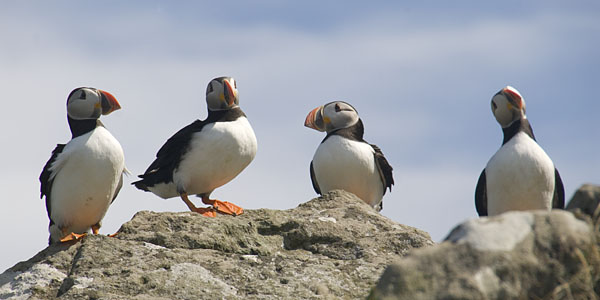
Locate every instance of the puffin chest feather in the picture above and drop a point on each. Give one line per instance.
(85, 177)
(216, 155)
(341, 163)
(520, 176)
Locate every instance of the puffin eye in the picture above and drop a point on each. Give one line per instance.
(82, 96)
(494, 106)
(209, 89)
(337, 107)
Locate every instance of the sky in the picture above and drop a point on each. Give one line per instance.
(420, 73)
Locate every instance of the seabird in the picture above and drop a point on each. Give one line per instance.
(344, 160)
(520, 176)
(205, 154)
(84, 176)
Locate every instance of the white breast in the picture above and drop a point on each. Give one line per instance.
(520, 176)
(217, 154)
(340, 163)
(85, 175)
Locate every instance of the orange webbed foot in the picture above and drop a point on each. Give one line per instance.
(206, 211)
(72, 237)
(224, 207)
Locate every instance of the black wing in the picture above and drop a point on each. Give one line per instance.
(559, 192)
(313, 179)
(45, 182)
(385, 170)
(118, 189)
(481, 195)
(168, 157)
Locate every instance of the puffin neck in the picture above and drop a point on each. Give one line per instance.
(520, 125)
(81, 127)
(354, 132)
(227, 115)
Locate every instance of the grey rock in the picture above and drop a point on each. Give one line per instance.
(516, 255)
(586, 199)
(328, 248)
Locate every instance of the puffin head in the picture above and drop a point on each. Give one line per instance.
(89, 103)
(508, 106)
(332, 116)
(222, 94)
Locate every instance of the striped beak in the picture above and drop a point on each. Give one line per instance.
(314, 119)
(513, 97)
(229, 93)
(109, 102)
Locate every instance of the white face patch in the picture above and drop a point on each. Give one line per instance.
(84, 103)
(501, 110)
(340, 115)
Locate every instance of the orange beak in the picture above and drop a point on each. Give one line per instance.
(513, 97)
(109, 102)
(314, 118)
(229, 95)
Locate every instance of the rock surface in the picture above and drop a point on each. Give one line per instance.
(586, 199)
(328, 248)
(516, 255)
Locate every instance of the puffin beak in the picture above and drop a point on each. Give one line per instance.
(229, 94)
(513, 98)
(109, 102)
(314, 119)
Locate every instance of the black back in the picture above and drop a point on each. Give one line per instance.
(170, 154)
(355, 133)
(313, 179)
(558, 201)
(385, 170)
(481, 195)
(45, 182)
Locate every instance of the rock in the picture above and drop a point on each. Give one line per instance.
(516, 255)
(586, 199)
(330, 247)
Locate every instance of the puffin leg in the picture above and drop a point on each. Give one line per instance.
(95, 228)
(223, 207)
(205, 211)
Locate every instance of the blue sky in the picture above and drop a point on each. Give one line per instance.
(420, 74)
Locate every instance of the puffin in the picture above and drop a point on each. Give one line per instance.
(206, 154)
(344, 160)
(520, 176)
(83, 177)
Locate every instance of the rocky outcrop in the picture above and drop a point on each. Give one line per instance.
(517, 255)
(586, 200)
(330, 247)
